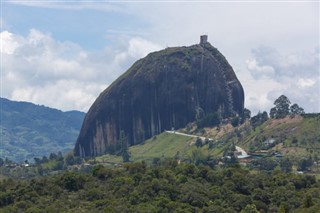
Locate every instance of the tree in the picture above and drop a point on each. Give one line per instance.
(264, 164)
(69, 160)
(37, 161)
(281, 109)
(235, 121)
(72, 181)
(60, 156)
(264, 116)
(197, 156)
(40, 170)
(250, 208)
(307, 202)
(125, 156)
(273, 112)
(198, 142)
(53, 156)
(245, 115)
(229, 155)
(212, 119)
(44, 159)
(58, 165)
(286, 164)
(8, 161)
(258, 119)
(295, 109)
(123, 142)
(282, 209)
(305, 163)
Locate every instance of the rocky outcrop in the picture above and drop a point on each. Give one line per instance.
(166, 89)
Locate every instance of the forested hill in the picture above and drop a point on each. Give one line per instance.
(29, 130)
(165, 187)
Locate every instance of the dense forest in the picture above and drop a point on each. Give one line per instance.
(163, 187)
(179, 173)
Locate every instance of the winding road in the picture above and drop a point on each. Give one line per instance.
(194, 136)
(244, 154)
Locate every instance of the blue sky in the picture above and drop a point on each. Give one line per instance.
(87, 27)
(64, 53)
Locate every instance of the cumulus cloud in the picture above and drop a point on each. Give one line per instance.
(66, 94)
(257, 90)
(39, 62)
(305, 82)
(8, 42)
(287, 64)
(295, 74)
(61, 74)
(259, 69)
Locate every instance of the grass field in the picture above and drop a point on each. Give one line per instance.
(165, 145)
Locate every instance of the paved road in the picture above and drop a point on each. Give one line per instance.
(194, 136)
(244, 154)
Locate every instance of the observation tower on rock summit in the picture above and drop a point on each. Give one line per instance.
(203, 39)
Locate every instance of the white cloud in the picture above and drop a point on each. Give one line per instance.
(257, 90)
(8, 42)
(65, 94)
(259, 70)
(140, 48)
(137, 48)
(39, 69)
(37, 66)
(305, 82)
(295, 75)
(282, 34)
(286, 64)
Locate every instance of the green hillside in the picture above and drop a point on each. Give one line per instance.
(153, 182)
(296, 138)
(164, 145)
(29, 130)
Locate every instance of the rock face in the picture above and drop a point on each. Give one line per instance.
(165, 90)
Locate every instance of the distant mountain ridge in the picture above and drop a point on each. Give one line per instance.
(29, 130)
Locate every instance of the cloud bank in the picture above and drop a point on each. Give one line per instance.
(62, 75)
(272, 46)
(294, 74)
(42, 70)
